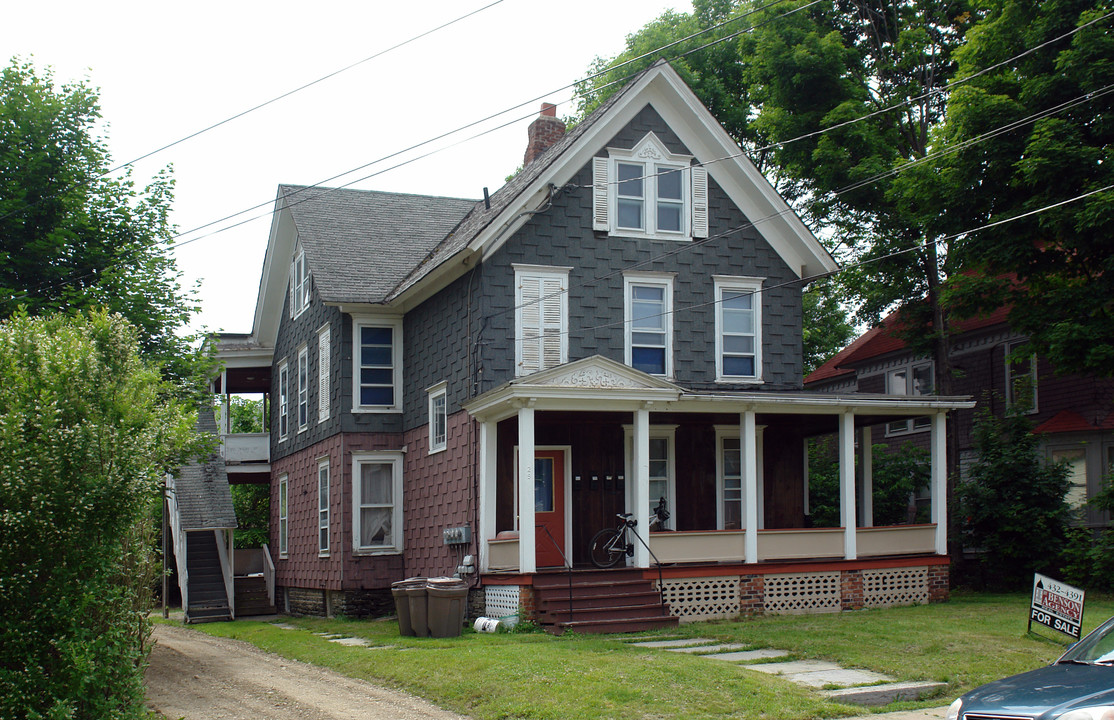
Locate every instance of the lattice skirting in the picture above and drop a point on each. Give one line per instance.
(501, 600)
(704, 598)
(803, 593)
(895, 586)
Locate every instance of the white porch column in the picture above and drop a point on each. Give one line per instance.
(939, 482)
(748, 448)
(640, 486)
(868, 479)
(488, 453)
(527, 535)
(847, 484)
(225, 405)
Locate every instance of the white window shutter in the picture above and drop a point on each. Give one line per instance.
(292, 281)
(530, 332)
(699, 202)
(324, 367)
(600, 194)
(553, 326)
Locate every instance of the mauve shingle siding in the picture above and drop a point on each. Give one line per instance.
(360, 244)
(563, 236)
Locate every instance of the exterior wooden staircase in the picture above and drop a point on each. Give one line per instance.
(251, 597)
(208, 596)
(602, 601)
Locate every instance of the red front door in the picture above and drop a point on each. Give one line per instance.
(549, 507)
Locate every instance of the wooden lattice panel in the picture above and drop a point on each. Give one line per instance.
(803, 593)
(500, 600)
(895, 586)
(703, 598)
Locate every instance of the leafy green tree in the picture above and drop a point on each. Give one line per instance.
(72, 237)
(86, 432)
(251, 502)
(1059, 95)
(896, 475)
(825, 329)
(1011, 504)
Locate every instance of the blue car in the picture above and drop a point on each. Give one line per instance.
(1078, 686)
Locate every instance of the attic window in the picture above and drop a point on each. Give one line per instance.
(648, 191)
(299, 284)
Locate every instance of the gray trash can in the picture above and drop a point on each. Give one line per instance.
(416, 595)
(402, 603)
(448, 603)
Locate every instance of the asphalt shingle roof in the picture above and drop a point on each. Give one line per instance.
(204, 500)
(360, 244)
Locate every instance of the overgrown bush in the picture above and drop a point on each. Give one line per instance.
(897, 474)
(1089, 556)
(1012, 512)
(86, 430)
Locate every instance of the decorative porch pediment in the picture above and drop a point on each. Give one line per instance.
(594, 372)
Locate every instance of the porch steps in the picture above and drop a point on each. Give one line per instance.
(208, 599)
(251, 597)
(603, 601)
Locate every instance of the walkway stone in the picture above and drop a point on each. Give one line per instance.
(351, 641)
(886, 694)
(841, 677)
(795, 667)
(708, 648)
(746, 655)
(687, 642)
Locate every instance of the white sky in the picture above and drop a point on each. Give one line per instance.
(169, 69)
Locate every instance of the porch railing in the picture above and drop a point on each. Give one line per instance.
(179, 538)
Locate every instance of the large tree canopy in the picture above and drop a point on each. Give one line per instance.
(71, 236)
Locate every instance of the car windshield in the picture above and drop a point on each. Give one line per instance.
(1097, 647)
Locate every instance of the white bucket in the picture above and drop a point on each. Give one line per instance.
(486, 624)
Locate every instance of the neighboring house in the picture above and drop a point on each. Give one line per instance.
(455, 381)
(1073, 415)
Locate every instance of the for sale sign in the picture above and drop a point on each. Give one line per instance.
(1056, 605)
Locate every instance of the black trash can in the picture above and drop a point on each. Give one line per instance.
(448, 603)
(402, 603)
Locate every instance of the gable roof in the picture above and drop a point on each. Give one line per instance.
(360, 244)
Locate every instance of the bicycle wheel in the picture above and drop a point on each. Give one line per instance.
(607, 547)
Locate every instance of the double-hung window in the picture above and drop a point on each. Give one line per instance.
(649, 322)
(438, 418)
(377, 359)
(738, 329)
(1021, 378)
(377, 502)
(541, 310)
(914, 379)
(303, 388)
(649, 191)
(730, 464)
(323, 506)
(284, 400)
(663, 482)
(299, 284)
(283, 513)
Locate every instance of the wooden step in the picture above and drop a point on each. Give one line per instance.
(616, 626)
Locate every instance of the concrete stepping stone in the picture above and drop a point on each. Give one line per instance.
(885, 694)
(351, 641)
(284, 626)
(747, 655)
(794, 667)
(687, 642)
(701, 649)
(843, 677)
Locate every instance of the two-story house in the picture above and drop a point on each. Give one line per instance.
(1072, 415)
(495, 380)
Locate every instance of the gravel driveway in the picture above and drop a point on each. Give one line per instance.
(199, 677)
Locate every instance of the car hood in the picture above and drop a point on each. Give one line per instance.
(1056, 687)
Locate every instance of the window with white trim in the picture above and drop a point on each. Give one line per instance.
(914, 379)
(663, 470)
(738, 329)
(730, 495)
(438, 417)
(303, 388)
(324, 374)
(648, 191)
(323, 507)
(1021, 378)
(377, 502)
(648, 325)
(283, 526)
(299, 284)
(1075, 461)
(377, 359)
(284, 400)
(541, 310)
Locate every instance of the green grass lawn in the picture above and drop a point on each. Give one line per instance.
(965, 642)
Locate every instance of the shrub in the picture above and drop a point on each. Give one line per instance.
(86, 429)
(897, 474)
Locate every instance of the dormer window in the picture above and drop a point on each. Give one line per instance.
(650, 192)
(299, 284)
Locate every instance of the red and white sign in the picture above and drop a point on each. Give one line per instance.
(1057, 605)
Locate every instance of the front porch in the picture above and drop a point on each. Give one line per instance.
(563, 451)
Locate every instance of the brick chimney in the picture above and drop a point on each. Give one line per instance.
(546, 130)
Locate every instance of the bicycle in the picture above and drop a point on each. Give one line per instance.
(610, 545)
